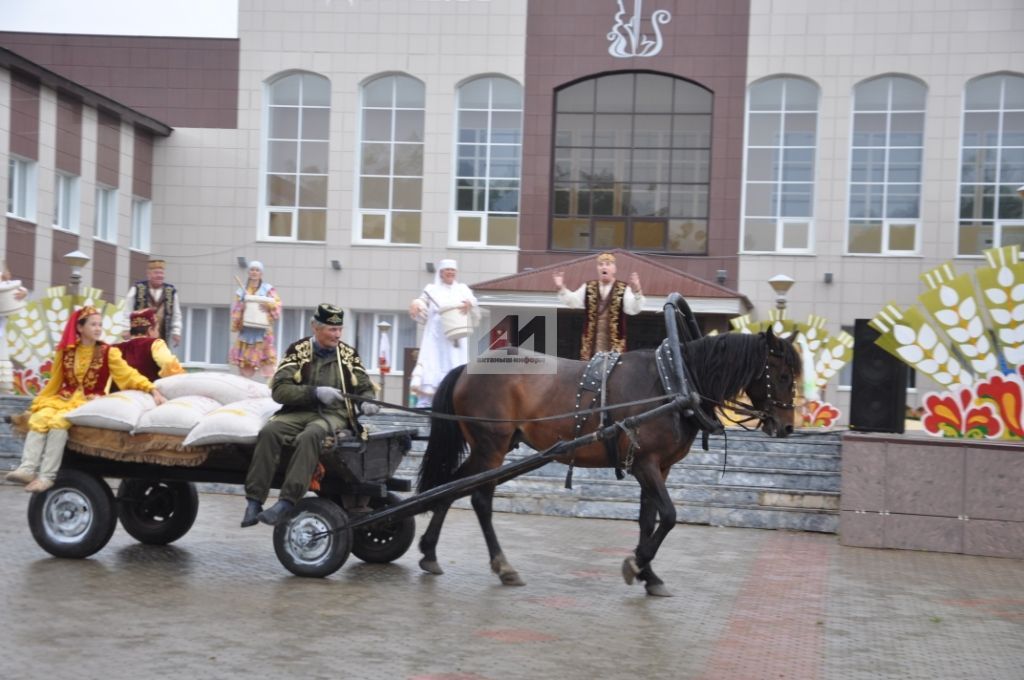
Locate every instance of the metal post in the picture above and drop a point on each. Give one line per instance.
(383, 354)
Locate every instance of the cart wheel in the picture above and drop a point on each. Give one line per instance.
(157, 513)
(387, 541)
(311, 541)
(75, 518)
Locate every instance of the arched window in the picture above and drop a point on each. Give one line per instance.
(778, 202)
(886, 167)
(631, 164)
(992, 168)
(391, 161)
(297, 141)
(488, 162)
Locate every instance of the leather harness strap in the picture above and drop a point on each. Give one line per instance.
(595, 380)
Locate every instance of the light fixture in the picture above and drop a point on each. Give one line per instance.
(828, 277)
(430, 267)
(335, 265)
(76, 259)
(721, 275)
(781, 284)
(242, 262)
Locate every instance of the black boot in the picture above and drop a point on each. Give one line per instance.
(276, 513)
(252, 511)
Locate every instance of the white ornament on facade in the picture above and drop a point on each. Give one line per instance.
(626, 37)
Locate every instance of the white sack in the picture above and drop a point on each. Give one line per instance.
(177, 416)
(235, 423)
(117, 411)
(226, 388)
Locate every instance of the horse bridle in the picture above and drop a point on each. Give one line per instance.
(748, 410)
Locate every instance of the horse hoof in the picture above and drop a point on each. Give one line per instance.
(630, 569)
(657, 590)
(504, 570)
(431, 567)
(511, 578)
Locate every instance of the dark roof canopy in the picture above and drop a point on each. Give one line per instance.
(656, 279)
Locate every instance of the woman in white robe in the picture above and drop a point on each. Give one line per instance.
(438, 354)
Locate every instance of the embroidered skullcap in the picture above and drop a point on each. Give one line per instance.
(447, 264)
(329, 315)
(606, 257)
(257, 264)
(156, 263)
(143, 318)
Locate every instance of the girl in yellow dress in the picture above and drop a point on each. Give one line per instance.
(82, 370)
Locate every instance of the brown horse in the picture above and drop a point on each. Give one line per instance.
(762, 365)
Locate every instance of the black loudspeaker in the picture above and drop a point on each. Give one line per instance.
(878, 394)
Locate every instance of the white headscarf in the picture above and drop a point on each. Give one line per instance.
(447, 263)
(257, 264)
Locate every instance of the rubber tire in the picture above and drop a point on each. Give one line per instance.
(157, 513)
(328, 553)
(89, 525)
(385, 543)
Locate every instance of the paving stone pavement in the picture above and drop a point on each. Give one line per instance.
(749, 604)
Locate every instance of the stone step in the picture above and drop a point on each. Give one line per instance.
(770, 477)
(827, 461)
(750, 517)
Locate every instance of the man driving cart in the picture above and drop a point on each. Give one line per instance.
(309, 383)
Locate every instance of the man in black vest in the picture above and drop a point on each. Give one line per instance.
(154, 293)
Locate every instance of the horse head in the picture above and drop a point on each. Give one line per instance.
(773, 389)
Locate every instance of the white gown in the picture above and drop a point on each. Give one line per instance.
(439, 355)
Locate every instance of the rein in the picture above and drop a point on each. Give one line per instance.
(479, 419)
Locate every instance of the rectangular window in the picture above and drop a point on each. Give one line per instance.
(487, 171)
(390, 157)
(293, 325)
(778, 204)
(296, 150)
(106, 214)
(21, 189)
(141, 223)
(401, 334)
(65, 202)
(992, 165)
(886, 167)
(206, 335)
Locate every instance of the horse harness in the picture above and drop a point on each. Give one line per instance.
(595, 381)
(674, 382)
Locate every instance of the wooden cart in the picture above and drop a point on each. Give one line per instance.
(157, 502)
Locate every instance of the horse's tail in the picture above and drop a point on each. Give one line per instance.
(446, 444)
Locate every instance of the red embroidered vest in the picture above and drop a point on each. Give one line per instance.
(97, 375)
(138, 352)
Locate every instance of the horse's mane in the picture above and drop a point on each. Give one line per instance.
(722, 365)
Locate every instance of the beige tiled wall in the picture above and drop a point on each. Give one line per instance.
(837, 45)
(207, 180)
